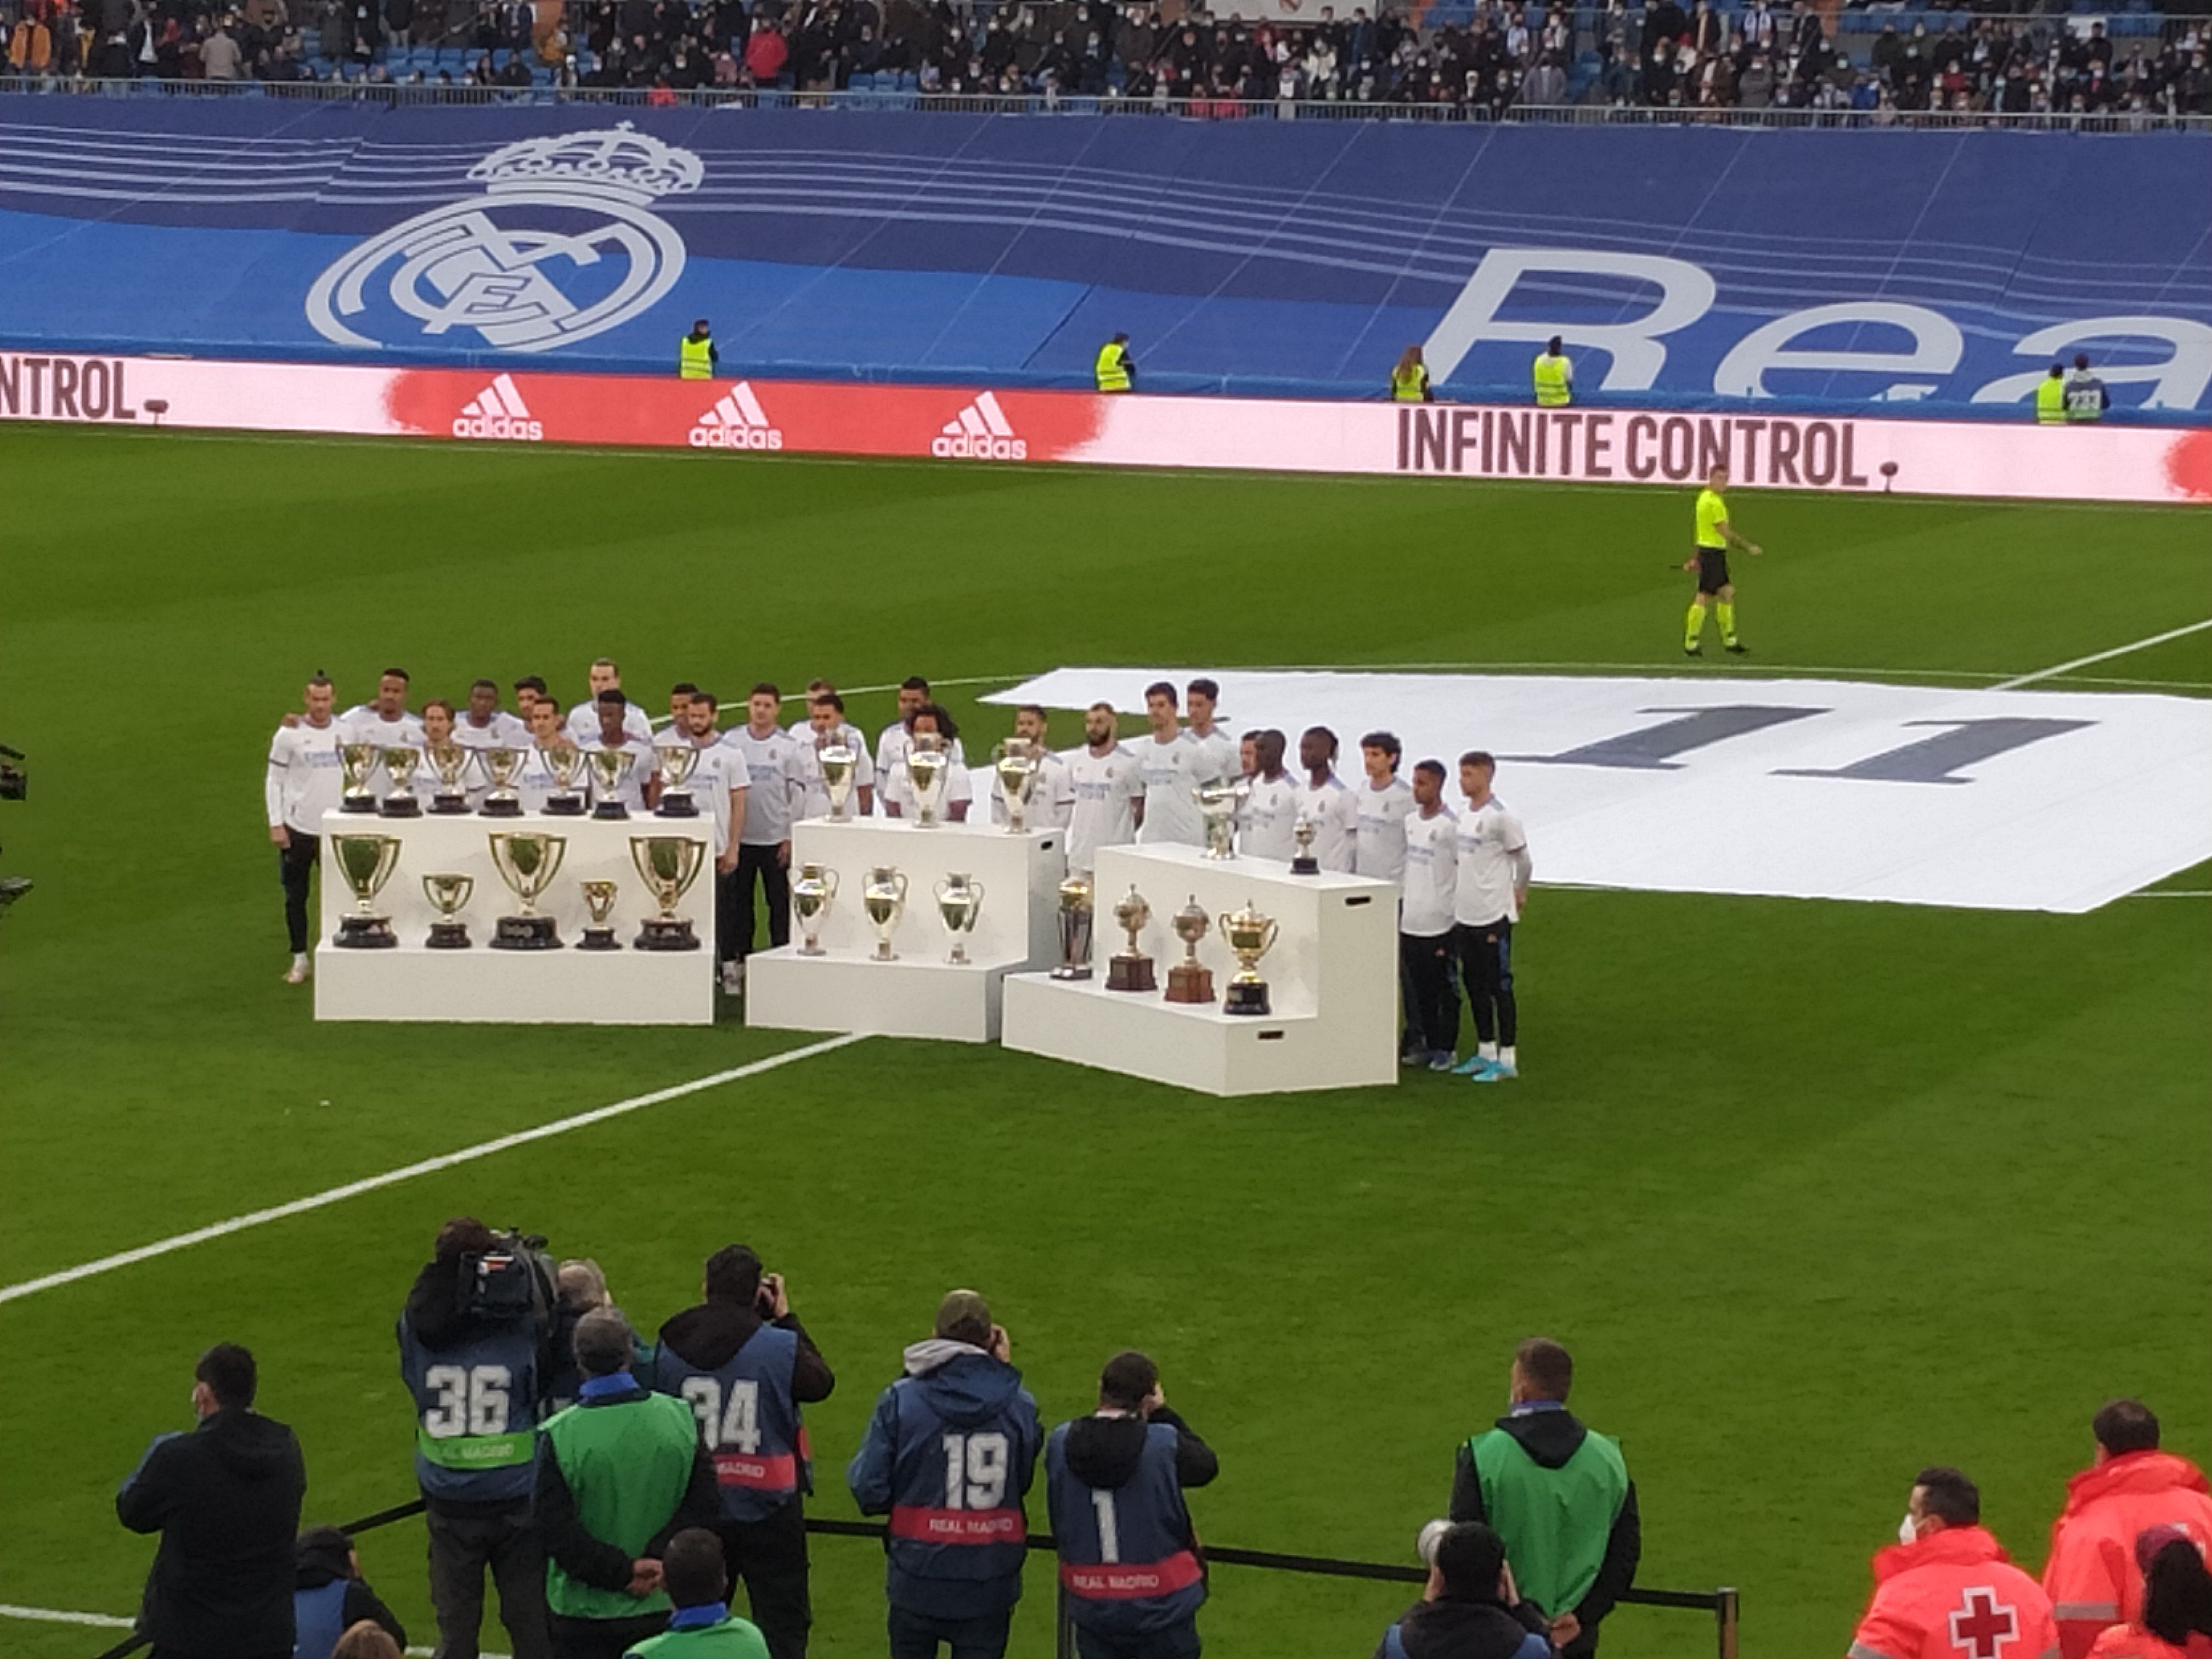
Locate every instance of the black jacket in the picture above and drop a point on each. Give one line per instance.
(1551, 1439)
(320, 1561)
(1102, 1451)
(708, 1337)
(589, 1559)
(1463, 1630)
(226, 1500)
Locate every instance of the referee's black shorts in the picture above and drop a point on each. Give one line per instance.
(1712, 570)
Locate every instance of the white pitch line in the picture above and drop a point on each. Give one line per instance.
(238, 1223)
(2103, 656)
(2173, 892)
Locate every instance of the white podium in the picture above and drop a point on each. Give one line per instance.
(410, 980)
(922, 994)
(1332, 980)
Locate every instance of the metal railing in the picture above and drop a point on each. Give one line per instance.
(402, 95)
(1723, 1606)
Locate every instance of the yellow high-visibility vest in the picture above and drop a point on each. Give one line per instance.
(2051, 402)
(1550, 374)
(695, 359)
(1410, 385)
(1112, 371)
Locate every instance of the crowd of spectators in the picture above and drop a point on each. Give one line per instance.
(1667, 55)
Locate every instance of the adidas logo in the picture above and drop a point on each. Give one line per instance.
(736, 422)
(981, 433)
(498, 411)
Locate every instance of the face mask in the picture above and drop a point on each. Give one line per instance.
(1908, 1532)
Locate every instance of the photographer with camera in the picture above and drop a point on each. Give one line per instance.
(745, 1365)
(472, 1348)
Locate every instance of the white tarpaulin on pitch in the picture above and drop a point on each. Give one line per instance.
(2017, 800)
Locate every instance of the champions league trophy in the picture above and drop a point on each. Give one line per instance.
(1017, 761)
(1076, 916)
(926, 768)
(1217, 802)
(882, 896)
(1132, 969)
(449, 764)
(399, 766)
(1249, 936)
(600, 900)
(668, 865)
(500, 766)
(366, 862)
(840, 765)
(1190, 980)
(564, 800)
(609, 767)
(1305, 864)
(959, 903)
(447, 894)
(677, 762)
(356, 761)
(812, 891)
(527, 860)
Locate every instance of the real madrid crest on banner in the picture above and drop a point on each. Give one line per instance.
(559, 247)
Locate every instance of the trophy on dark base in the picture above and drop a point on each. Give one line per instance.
(600, 900)
(1076, 917)
(399, 767)
(668, 865)
(1249, 936)
(677, 762)
(356, 761)
(1305, 864)
(1132, 969)
(1190, 980)
(608, 767)
(365, 863)
(449, 764)
(564, 800)
(500, 766)
(527, 860)
(447, 894)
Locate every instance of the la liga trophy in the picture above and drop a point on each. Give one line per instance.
(1017, 763)
(1190, 980)
(527, 860)
(1131, 969)
(400, 803)
(668, 865)
(677, 762)
(812, 891)
(448, 895)
(883, 898)
(500, 767)
(564, 799)
(599, 902)
(449, 764)
(356, 761)
(609, 767)
(365, 863)
(1076, 917)
(926, 772)
(840, 766)
(1249, 936)
(959, 903)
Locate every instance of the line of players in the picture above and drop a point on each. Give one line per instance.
(1463, 876)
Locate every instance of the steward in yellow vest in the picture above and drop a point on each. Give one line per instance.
(1553, 373)
(1117, 370)
(1409, 381)
(2050, 396)
(695, 355)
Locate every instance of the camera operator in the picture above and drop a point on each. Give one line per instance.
(472, 1351)
(745, 1365)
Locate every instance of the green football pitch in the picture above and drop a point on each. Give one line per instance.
(1817, 1193)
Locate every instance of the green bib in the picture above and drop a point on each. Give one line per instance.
(1555, 1523)
(732, 1638)
(628, 1465)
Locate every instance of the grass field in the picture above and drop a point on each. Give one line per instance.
(1817, 1193)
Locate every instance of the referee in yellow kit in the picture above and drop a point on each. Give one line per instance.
(1709, 560)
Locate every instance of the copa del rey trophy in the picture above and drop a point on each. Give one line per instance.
(448, 894)
(599, 903)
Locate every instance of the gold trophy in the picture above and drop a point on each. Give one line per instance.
(925, 771)
(600, 900)
(1305, 864)
(1217, 802)
(840, 766)
(399, 766)
(356, 761)
(677, 762)
(566, 765)
(1017, 761)
(811, 891)
(366, 862)
(608, 767)
(527, 860)
(882, 896)
(1189, 979)
(1249, 936)
(1076, 917)
(500, 765)
(449, 764)
(668, 866)
(447, 894)
(1132, 969)
(959, 903)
